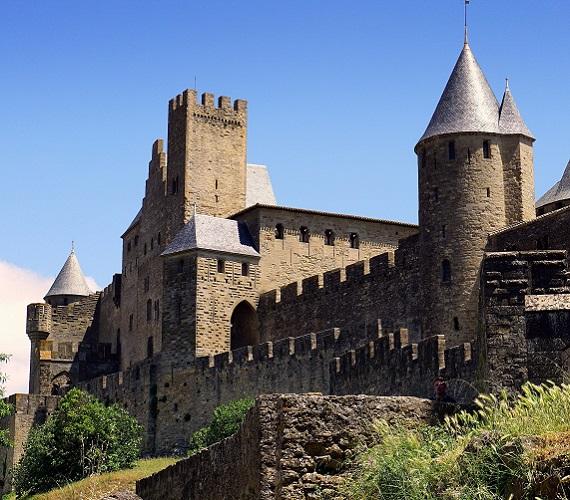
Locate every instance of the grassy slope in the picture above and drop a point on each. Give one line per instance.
(99, 486)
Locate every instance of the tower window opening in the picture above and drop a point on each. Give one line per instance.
(145, 248)
(147, 284)
(423, 158)
(469, 155)
(304, 234)
(436, 194)
(221, 266)
(456, 323)
(451, 150)
(434, 162)
(149, 347)
(216, 183)
(329, 237)
(354, 240)
(152, 243)
(148, 310)
(488, 192)
(158, 239)
(486, 150)
(245, 269)
(445, 271)
(131, 320)
(129, 246)
(217, 198)
(443, 231)
(156, 310)
(279, 232)
(136, 240)
(180, 265)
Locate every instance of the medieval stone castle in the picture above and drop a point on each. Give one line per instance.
(225, 294)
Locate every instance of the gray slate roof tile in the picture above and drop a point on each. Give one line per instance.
(70, 280)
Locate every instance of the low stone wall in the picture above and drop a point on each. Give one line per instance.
(290, 446)
(29, 410)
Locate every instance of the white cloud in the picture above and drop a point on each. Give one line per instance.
(18, 288)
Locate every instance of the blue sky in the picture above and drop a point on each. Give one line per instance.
(339, 92)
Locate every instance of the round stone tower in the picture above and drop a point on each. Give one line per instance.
(475, 177)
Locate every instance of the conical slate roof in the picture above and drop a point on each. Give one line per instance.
(467, 104)
(559, 192)
(510, 120)
(205, 232)
(70, 280)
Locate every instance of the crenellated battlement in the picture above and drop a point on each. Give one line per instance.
(207, 105)
(39, 321)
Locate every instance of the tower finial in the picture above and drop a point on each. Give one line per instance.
(466, 39)
(72, 246)
(507, 83)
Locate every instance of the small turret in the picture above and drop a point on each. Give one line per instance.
(558, 196)
(70, 284)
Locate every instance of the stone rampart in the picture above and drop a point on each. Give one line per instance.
(384, 287)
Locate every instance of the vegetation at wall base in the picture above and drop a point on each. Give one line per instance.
(225, 422)
(5, 408)
(517, 448)
(82, 437)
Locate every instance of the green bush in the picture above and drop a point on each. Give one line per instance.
(82, 437)
(225, 422)
(477, 455)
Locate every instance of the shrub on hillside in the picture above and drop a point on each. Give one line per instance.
(490, 454)
(5, 408)
(225, 422)
(82, 437)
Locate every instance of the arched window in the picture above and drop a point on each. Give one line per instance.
(244, 326)
(354, 240)
(445, 271)
(148, 310)
(304, 234)
(279, 232)
(329, 237)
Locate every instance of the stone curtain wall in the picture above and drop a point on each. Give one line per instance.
(386, 286)
(547, 232)
(172, 403)
(289, 446)
(29, 410)
(524, 331)
(289, 259)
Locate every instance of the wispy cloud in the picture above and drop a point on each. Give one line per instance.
(18, 288)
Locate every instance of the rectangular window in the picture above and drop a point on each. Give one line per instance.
(221, 266)
(443, 231)
(245, 269)
(486, 150)
(488, 192)
(436, 194)
(451, 150)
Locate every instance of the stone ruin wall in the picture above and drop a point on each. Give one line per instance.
(289, 446)
(385, 286)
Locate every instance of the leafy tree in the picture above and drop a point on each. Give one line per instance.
(225, 422)
(82, 437)
(5, 408)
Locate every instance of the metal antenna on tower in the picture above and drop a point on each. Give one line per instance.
(195, 82)
(465, 39)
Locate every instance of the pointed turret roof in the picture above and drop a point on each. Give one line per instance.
(467, 104)
(559, 192)
(70, 280)
(510, 119)
(206, 232)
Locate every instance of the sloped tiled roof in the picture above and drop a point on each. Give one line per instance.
(259, 188)
(559, 192)
(510, 119)
(467, 104)
(70, 280)
(205, 232)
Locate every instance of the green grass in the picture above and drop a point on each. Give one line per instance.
(95, 487)
(508, 448)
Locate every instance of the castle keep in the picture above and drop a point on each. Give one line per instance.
(223, 293)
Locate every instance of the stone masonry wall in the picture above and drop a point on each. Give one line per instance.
(386, 286)
(289, 259)
(29, 410)
(290, 446)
